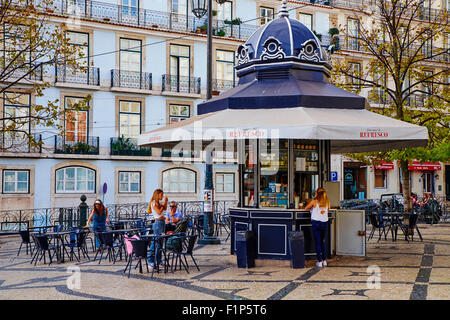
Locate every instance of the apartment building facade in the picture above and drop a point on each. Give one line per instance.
(147, 68)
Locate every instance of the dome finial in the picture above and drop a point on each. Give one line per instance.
(283, 10)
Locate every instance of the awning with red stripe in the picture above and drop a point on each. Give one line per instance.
(385, 166)
(416, 165)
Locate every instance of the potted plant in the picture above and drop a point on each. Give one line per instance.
(49, 10)
(221, 33)
(203, 28)
(106, 19)
(154, 26)
(318, 35)
(236, 21)
(226, 21)
(333, 31)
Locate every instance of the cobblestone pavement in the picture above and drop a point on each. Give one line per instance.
(416, 270)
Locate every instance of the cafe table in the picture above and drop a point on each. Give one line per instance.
(59, 236)
(395, 219)
(159, 243)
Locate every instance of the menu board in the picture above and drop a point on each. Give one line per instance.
(306, 157)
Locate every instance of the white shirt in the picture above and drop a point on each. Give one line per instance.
(317, 215)
(155, 213)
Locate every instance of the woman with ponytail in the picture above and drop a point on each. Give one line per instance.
(319, 207)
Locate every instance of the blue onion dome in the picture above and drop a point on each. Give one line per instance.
(282, 39)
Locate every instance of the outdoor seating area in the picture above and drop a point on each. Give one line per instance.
(128, 241)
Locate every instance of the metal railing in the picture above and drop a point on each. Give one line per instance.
(424, 13)
(14, 220)
(28, 73)
(89, 76)
(76, 144)
(174, 83)
(131, 79)
(222, 85)
(19, 142)
(128, 147)
(125, 15)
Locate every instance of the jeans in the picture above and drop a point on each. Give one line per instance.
(319, 229)
(99, 227)
(158, 228)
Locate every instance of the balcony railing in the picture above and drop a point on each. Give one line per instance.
(125, 15)
(222, 85)
(378, 96)
(23, 73)
(416, 100)
(128, 147)
(425, 14)
(173, 83)
(131, 79)
(89, 76)
(19, 142)
(76, 145)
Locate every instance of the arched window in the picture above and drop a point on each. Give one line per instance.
(75, 180)
(179, 180)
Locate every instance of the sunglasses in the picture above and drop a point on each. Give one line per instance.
(173, 206)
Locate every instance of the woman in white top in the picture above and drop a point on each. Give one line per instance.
(157, 209)
(319, 207)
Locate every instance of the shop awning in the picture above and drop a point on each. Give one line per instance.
(425, 166)
(385, 166)
(349, 130)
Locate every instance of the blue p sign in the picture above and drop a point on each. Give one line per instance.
(334, 176)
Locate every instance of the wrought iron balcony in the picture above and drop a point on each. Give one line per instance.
(125, 15)
(416, 100)
(378, 96)
(222, 85)
(88, 76)
(76, 144)
(128, 147)
(29, 73)
(131, 79)
(19, 142)
(168, 153)
(174, 83)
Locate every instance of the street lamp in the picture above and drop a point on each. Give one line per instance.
(199, 8)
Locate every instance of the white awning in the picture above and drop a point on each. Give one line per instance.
(349, 130)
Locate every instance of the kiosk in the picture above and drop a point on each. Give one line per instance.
(284, 119)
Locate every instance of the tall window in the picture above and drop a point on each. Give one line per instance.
(81, 40)
(129, 182)
(180, 60)
(76, 6)
(428, 84)
(380, 79)
(75, 179)
(16, 108)
(225, 11)
(380, 178)
(225, 65)
(355, 70)
(353, 34)
(129, 118)
(76, 122)
(178, 112)
(266, 15)
(130, 55)
(225, 182)
(16, 181)
(307, 20)
(180, 7)
(130, 7)
(179, 180)
(14, 49)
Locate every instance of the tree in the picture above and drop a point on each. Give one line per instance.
(406, 73)
(30, 47)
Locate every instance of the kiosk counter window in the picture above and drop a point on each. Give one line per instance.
(274, 176)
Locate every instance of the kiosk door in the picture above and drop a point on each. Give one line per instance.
(349, 239)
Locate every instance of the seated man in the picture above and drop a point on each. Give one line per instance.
(173, 216)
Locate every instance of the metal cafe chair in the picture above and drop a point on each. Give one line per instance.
(25, 236)
(410, 226)
(188, 243)
(43, 246)
(80, 244)
(106, 243)
(376, 220)
(139, 252)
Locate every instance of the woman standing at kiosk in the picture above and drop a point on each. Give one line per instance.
(319, 207)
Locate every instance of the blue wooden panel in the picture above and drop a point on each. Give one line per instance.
(238, 213)
(271, 214)
(272, 239)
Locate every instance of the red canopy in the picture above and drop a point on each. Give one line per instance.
(385, 166)
(416, 165)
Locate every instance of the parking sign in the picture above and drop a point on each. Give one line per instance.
(334, 176)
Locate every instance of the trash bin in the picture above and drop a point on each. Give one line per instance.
(245, 249)
(297, 249)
